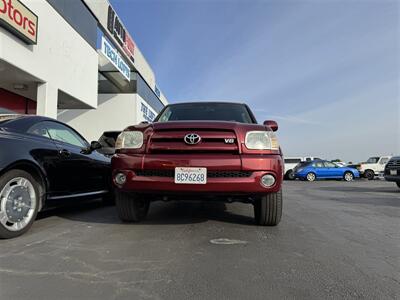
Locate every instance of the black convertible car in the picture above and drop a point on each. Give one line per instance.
(41, 160)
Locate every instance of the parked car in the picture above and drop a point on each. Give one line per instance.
(43, 160)
(353, 165)
(203, 150)
(339, 163)
(292, 162)
(322, 169)
(374, 166)
(107, 141)
(392, 170)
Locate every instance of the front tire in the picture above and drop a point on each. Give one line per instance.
(289, 175)
(19, 203)
(130, 207)
(369, 174)
(348, 176)
(268, 209)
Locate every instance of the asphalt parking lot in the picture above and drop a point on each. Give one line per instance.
(336, 240)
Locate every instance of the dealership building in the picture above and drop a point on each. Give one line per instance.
(74, 60)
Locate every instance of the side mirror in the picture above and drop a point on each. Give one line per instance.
(95, 145)
(271, 124)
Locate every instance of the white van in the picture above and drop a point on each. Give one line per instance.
(292, 161)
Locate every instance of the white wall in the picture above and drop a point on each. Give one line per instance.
(61, 58)
(114, 112)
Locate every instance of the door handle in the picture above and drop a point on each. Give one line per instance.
(65, 153)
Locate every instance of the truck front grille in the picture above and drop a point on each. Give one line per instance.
(394, 163)
(212, 141)
(210, 174)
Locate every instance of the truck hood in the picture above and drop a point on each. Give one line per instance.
(193, 125)
(169, 136)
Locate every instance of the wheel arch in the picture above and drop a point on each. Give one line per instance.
(37, 173)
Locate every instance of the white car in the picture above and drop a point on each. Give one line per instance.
(292, 162)
(374, 166)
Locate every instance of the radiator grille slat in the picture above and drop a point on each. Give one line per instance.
(212, 141)
(210, 174)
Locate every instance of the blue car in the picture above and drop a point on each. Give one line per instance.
(325, 169)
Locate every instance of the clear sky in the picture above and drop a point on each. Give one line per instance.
(327, 71)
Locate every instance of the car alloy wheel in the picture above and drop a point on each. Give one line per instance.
(311, 177)
(348, 176)
(18, 202)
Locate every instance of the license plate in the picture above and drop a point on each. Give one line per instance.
(393, 172)
(191, 175)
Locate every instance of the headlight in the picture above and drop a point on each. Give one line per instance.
(261, 140)
(129, 140)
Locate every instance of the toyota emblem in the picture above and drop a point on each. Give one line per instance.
(192, 139)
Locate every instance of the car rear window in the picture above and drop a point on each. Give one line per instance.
(206, 112)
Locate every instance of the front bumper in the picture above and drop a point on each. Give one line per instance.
(390, 177)
(259, 165)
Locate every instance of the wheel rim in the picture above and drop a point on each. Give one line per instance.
(348, 177)
(17, 204)
(310, 177)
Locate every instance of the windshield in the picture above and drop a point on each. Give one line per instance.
(206, 112)
(372, 160)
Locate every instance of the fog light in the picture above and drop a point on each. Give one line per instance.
(120, 178)
(267, 180)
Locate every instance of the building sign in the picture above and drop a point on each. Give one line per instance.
(147, 112)
(121, 35)
(18, 19)
(115, 58)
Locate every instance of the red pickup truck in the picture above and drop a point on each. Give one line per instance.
(200, 150)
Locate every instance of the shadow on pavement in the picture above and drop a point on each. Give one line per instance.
(169, 213)
(179, 211)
